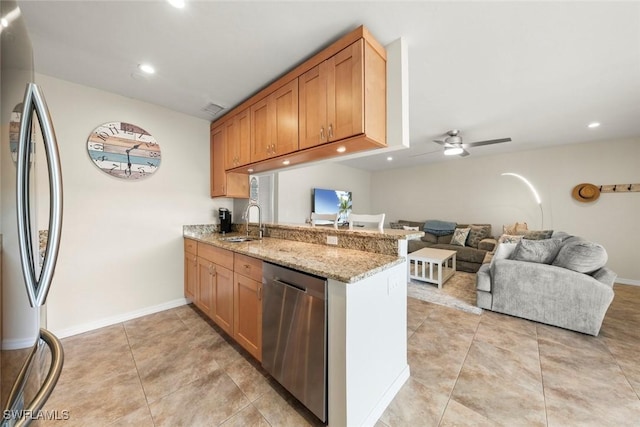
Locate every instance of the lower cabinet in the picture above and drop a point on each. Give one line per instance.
(227, 287)
(205, 285)
(248, 314)
(223, 300)
(190, 269)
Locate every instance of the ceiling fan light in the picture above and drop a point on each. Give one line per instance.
(453, 151)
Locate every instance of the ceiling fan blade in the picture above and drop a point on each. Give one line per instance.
(440, 141)
(464, 153)
(487, 142)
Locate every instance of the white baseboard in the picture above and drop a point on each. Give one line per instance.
(623, 281)
(387, 397)
(79, 329)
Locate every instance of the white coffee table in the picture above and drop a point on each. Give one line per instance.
(423, 262)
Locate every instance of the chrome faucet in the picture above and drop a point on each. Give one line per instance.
(246, 217)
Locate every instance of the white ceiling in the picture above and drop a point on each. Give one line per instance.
(537, 72)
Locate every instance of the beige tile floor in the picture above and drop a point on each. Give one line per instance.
(175, 368)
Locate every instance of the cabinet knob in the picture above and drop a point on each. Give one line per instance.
(322, 133)
(331, 131)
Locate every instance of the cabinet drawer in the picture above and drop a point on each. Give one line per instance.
(248, 266)
(216, 255)
(191, 246)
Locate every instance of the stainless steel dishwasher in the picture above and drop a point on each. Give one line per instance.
(294, 334)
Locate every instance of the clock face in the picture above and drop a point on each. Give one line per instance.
(124, 150)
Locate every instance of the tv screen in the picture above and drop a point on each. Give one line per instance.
(332, 201)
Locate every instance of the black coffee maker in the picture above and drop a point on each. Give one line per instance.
(225, 220)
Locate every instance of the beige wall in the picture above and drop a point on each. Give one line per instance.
(121, 252)
(295, 189)
(472, 190)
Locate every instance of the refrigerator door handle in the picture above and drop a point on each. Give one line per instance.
(38, 288)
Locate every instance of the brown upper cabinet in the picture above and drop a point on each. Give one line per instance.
(238, 140)
(331, 98)
(224, 184)
(335, 102)
(274, 123)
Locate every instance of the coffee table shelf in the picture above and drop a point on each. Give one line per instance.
(432, 265)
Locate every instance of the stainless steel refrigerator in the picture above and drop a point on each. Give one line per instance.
(31, 357)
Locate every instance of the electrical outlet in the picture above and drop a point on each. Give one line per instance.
(393, 283)
(332, 240)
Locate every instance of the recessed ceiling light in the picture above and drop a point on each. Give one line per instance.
(286, 162)
(147, 68)
(389, 158)
(593, 125)
(341, 149)
(178, 4)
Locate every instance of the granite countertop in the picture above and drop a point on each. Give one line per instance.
(343, 265)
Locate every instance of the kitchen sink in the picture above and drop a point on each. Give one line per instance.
(238, 239)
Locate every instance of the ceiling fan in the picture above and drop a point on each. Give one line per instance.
(453, 145)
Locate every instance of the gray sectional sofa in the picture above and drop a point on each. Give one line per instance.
(564, 283)
(469, 258)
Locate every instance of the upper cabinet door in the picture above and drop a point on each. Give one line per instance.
(238, 136)
(274, 123)
(313, 106)
(345, 92)
(284, 103)
(260, 130)
(218, 175)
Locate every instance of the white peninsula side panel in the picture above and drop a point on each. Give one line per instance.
(367, 346)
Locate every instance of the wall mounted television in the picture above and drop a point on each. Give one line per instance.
(332, 201)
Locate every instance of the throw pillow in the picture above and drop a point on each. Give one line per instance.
(406, 227)
(538, 234)
(540, 251)
(459, 236)
(396, 225)
(583, 257)
(503, 251)
(517, 228)
(477, 233)
(509, 238)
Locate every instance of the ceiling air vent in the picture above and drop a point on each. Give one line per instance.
(213, 109)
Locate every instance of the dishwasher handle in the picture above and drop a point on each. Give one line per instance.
(291, 285)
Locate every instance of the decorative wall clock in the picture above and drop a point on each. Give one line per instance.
(124, 150)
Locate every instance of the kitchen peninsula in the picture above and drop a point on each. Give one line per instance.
(366, 305)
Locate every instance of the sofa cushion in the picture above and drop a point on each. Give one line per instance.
(487, 244)
(477, 233)
(540, 251)
(538, 234)
(429, 238)
(460, 236)
(445, 240)
(581, 256)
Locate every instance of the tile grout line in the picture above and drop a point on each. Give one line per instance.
(544, 394)
(135, 364)
(444, 410)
